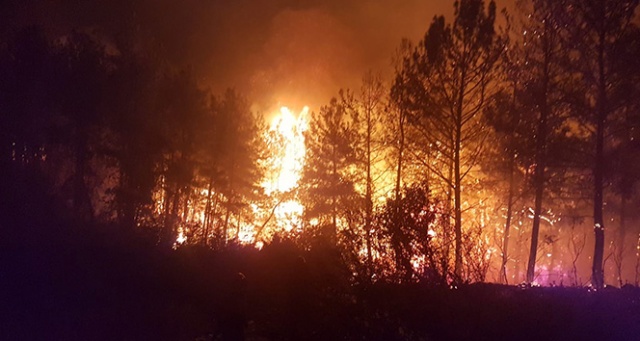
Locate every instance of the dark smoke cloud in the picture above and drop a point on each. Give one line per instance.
(279, 52)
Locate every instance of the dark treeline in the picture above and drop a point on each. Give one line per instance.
(132, 196)
(113, 132)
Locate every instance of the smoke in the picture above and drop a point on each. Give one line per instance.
(288, 52)
(310, 52)
(279, 52)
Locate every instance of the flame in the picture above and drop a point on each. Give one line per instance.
(288, 147)
(180, 239)
(281, 211)
(287, 162)
(284, 169)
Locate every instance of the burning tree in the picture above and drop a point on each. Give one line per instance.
(230, 166)
(328, 180)
(406, 225)
(367, 111)
(285, 162)
(543, 98)
(445, 83)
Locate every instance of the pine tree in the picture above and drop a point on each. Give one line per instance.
(328, 180)
(366, 112)
(596, 29)
(445, 83)
(542, 53)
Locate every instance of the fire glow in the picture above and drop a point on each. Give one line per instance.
(289, 161)
(287, 148)
(283, 212)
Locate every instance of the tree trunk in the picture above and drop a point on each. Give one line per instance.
(535, 230)
(597, 271)
(168, 234)
(225, 226)
(621, 236)
(401, 122)
(207, 214)
(398, 185)
(507, 225)
(457, 181)
(541, 157)
(175, 208)
(334, 201)
(369, 192)
(446, 224)
(512, 165)
(185, 207)
(457, 210)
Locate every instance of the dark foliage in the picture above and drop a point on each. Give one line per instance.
(280, 293)
(62, 281)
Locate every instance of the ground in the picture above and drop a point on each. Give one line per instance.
(61, 280)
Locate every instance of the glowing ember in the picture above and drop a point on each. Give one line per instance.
(246, 234)
(181, 238)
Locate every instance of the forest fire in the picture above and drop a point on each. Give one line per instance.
(485, 167)
(281, 212)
